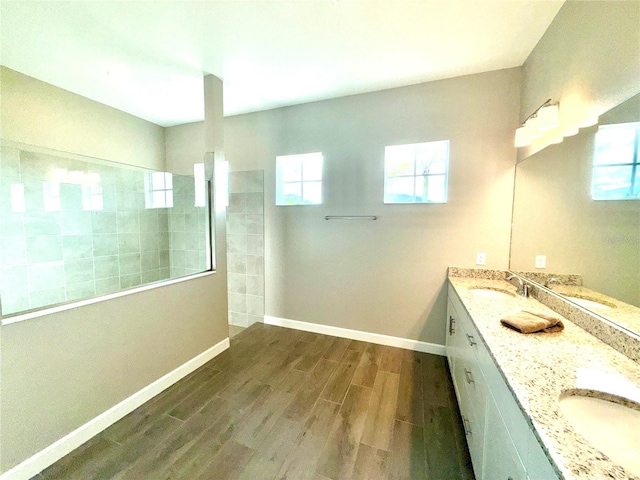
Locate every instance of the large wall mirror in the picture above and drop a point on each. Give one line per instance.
(578, 204)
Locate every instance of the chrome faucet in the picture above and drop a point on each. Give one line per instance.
(523, 288)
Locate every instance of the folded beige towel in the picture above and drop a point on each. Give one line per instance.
(531, 322)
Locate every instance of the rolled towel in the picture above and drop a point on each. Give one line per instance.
(531, 322)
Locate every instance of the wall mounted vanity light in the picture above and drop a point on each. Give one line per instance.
(543, 119)
(544, 126)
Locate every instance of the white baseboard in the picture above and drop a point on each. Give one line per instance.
(71, 441)
(378, 338)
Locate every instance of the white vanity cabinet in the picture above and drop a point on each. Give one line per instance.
(501, 443)
(468, 383)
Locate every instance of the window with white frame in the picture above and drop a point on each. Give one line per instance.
(158, 190)
(616, 163)
(299, 179)
(416, 173)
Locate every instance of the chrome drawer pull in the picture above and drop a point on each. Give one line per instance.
(467, 428)
(468, 375)
(472, 342)
(452, 325)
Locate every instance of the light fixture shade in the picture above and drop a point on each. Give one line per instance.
(547, 117)
(589, 122)
(532, 123)
(522, 138)
(533, 130)
(570, 131)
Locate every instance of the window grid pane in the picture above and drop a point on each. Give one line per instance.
(615, 144)
(292, 170)
(436, 189)
(611, 183)
(312, 193)
(400, 161)
(400, 190)
(312, 168)
(292, 193)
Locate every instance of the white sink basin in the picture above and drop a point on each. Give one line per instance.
(494, 293)
(586, 303)
(610, 424)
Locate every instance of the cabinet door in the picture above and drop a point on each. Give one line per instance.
(501, 459)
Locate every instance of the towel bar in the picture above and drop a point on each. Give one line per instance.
(350, 217)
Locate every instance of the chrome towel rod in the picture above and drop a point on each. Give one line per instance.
(350, 217)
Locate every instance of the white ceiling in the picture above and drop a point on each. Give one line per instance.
(147, 58)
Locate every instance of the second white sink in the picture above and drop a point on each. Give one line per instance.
(610, 425)
(585, 302)
(494, 293)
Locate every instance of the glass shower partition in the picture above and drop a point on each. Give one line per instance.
(74, 227)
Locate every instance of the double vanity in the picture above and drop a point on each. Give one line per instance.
(539, 406)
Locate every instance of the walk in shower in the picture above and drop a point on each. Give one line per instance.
(245, 248)
(74, 227)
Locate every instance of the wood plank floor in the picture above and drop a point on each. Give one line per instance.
(286, 404)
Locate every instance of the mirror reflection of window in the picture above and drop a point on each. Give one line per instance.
(92, 198)
(616, 164)
(17, 197)
(51, 196)
(158, 189)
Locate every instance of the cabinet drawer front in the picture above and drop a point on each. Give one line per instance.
(468, 377)
(475, 384)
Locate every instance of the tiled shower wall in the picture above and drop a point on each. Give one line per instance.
(245, 248)
(50, 254)
(187, 227)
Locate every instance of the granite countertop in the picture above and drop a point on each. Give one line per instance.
(619, 312)
(538, 368)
